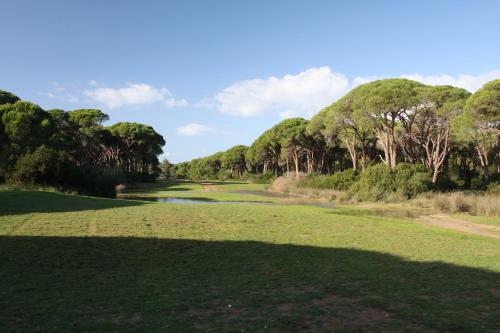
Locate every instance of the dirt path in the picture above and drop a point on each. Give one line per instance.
(461, 225)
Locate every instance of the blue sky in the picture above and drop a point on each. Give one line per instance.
(211, 74)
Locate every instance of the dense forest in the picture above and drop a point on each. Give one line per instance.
(72, 150)
(442, 136)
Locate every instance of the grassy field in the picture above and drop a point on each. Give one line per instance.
(72, 263)
(213, 190)
(480, 219)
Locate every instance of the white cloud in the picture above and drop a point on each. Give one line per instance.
(134, 94)
(194, 129)
(59, 92)
(94, 83)
(49, 94)
(302, 94)
(466, 81)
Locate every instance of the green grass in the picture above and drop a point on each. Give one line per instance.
(479, 219)
(73, 263)
(216, 190)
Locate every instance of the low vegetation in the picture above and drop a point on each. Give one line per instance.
(459, 202)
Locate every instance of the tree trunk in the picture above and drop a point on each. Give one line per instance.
(363, 157)
(483, 158)
(296, 161)
(351, 148)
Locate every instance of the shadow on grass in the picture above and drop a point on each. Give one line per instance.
(147, 284)
(22, 202)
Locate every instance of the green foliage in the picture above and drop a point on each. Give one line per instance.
(26, 125)
(166, 169)
(72, 150)
(484, 104)
(340, 181)
(7, 97)
(494, 188)
(180, 170)
(259, 178)
(411, 179)
(233, 161)
(392, 120)
(43, 166)
(379, 181)
(374, 184)
(103, 182)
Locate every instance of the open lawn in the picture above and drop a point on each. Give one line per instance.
(212, 190)
(72, 263)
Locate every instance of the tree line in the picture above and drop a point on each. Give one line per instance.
(452, 133)
(73, 150)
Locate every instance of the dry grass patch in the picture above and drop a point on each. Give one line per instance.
(288, 185)
(460, 202)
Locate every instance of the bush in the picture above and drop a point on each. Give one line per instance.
(494, 188)
(340, 181)
(101, 183)
(478, 184)
(379, 182)
(137, 177)
(44, 166)
(448, 182)
(224, 174)
(49, 167)
(259, 178)
(411, 179)
(374, 184)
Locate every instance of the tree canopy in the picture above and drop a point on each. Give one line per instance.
(73, 149)
(389, 121)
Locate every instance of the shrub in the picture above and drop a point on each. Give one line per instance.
(224, 174)
(340, 181)
(411, 179)
(494, 188)
(478, 184)
(101, 182)
(448, 182)
(259, 178)
(44, 166)
(137, 177)
(379, 182)
(375, 183)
